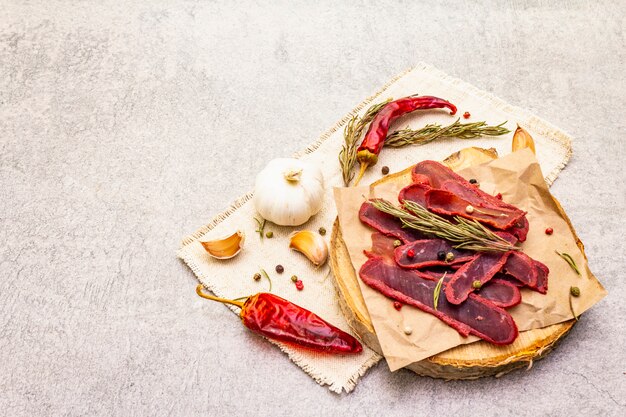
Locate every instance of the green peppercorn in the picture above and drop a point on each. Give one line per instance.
(476, 285)
(575, 291)
(269, 235)
(257, 277)
(294, 278)
(449, 257)
(396, 243)
(322, 231)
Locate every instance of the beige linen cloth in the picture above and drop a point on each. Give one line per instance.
(232, 278)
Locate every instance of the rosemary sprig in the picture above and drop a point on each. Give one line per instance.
(351, 135)
(467, 234)
(357, 125)
(261, 226)
(570, 261)
(432, 132)
(438, 290)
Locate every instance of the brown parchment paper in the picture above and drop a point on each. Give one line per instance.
(520, 180)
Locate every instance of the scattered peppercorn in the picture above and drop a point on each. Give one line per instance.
(575, 291)
(280, 269)
(269, 235)
(396, 243)
(408, 330)
(441, 255)
(499, 196)
(473, 181)
(385, 170)
(397, 305)
(299, 285)
(476, 285)
(410, 253)
(466, 115)
(449, 257)
(322, 231)
(469, 209)
(549, 231)
(257, 277)
(294, 278)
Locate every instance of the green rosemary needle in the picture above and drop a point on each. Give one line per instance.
(268, 278)
(261, 226)
(438, 290)
(570, 261)
(466, 234)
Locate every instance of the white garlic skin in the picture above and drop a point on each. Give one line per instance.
(289, 191)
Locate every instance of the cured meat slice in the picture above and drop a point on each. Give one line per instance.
(520, 266)
(387, 224)
(529, 272)
(415, 193)
(439, 176)
(476, 316)
(478, 198)
(542, 276)
(447, 203)
(382, 246)
(436, 174)
(425, 253)
(502, 293)
(508, 278)
(482, 268)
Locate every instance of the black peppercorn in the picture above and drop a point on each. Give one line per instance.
(279, 269)
(385, 170)
(473, 181)
(441, 255)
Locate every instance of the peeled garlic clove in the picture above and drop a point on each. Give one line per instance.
(522, 139)
(226, 247)
(311, 244)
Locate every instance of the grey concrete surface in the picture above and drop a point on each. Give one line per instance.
(123, 127)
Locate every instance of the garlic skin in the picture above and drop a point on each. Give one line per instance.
(226, 247)
(522, 139)
(310, 244)
(289, 191)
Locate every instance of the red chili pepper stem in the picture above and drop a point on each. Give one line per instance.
(364, 166)
(201, 293)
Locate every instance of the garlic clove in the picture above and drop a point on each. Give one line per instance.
(522, 139)
(226, 247)
(311, 244)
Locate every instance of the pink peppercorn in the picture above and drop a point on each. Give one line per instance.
(397, 305)
(299, 285)
(466, 115)
(549, 231)
(410, 253)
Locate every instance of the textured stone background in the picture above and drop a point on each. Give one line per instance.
(125, 127)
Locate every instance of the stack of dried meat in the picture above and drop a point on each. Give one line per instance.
(406, 265)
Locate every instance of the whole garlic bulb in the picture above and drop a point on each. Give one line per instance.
(289, 191)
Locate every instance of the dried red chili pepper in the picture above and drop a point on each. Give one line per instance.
(374, 140)
(279, 319)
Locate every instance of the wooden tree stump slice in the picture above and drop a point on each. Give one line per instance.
(471, 361)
